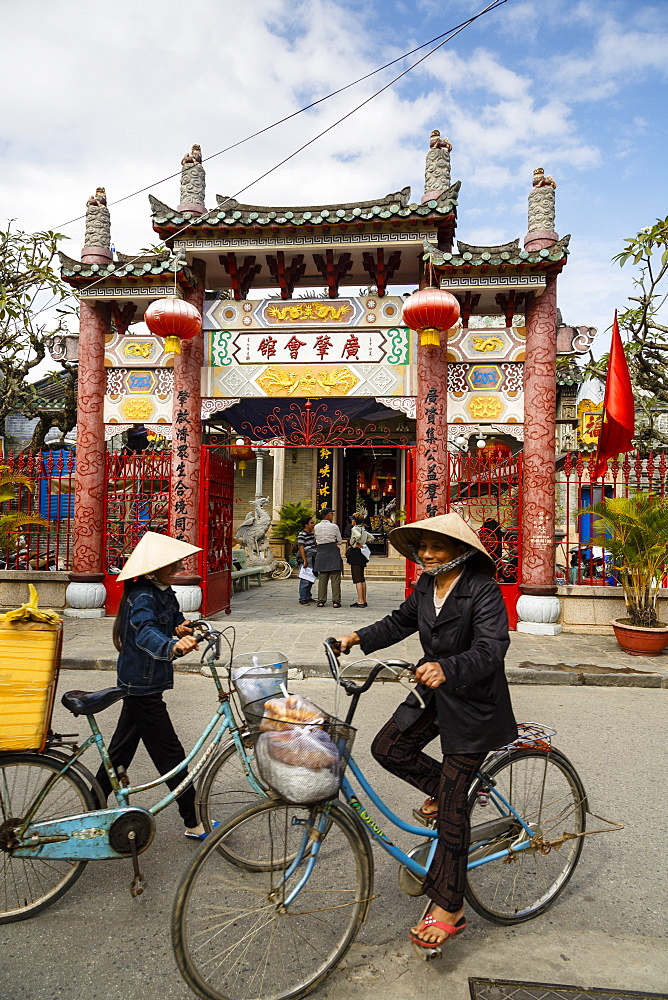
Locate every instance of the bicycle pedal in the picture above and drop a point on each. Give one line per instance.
(423, 821)
(427, 954)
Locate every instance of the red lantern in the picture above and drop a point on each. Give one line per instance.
(429, 311)
(241, 452)
(173, 319)
(374, 486)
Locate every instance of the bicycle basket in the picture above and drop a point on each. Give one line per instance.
(301, 751)
(257, 677)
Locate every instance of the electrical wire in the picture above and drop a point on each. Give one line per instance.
(198, 220)
(450, 33)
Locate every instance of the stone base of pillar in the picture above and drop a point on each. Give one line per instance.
(538, 615)
(538, 628)
(85, 599)
(540, 239)
(190, 599)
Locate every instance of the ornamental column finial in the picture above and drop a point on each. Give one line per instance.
(97, 238)
(541, 232)
(437, 168)
(193, 182)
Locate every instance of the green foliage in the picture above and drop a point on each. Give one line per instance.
(635, 531)
(30, 293)
(290, 523)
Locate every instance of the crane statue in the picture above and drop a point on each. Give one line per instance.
(252, 534)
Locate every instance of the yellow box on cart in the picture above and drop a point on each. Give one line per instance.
(29, 664)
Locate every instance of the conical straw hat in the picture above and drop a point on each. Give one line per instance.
(153, 551)
(407, 539)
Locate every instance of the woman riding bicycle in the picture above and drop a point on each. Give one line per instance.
(458, 611)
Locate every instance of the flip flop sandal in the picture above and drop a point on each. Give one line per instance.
(321, 604)
(426, 815)
(336, 605)
(430, 921)
(201, 836)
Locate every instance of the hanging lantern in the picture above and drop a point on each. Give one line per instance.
(429, 311)
(375, 486)
(241, 452)
(388, 488)
(361, 482)
(173, 319)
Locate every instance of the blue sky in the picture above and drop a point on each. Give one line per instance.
(117, 98)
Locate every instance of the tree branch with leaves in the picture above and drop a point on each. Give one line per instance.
(33, 308)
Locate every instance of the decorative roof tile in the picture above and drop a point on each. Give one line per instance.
(230, 212)
(75, 272)
(509, 253)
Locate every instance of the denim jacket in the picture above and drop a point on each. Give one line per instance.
(145, 664)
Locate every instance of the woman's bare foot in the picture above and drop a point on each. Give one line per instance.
(195, 831)
(436, 935)
(429, 808)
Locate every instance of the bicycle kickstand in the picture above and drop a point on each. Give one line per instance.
(138, 883)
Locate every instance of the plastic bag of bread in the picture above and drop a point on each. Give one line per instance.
(306, 746)
(284, 713)
(302, 765)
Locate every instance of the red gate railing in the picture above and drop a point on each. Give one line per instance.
(48, 495)
(579, 562)
(486, 490)
(137, 500)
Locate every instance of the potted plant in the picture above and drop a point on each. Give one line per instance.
(290, 524)
(634, 530)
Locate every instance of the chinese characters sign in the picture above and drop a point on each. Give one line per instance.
(324, 479)
(308, 347)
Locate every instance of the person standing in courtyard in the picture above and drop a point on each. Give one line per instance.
(458, 610)
(328, 561)
(306, 548)
(144, 633)
(357, 557)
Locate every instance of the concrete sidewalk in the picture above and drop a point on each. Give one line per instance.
(270, 617)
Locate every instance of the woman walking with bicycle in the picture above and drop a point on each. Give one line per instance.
(147, 621)
(458, 611)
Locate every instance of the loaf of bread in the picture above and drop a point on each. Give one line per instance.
(303, 748)
(284, 713)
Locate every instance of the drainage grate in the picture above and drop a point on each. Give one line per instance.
(506, 989)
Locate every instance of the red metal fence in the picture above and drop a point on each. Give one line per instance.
(136, 501)
(43, 489)
(578, 561)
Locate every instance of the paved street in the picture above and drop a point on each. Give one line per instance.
(270, 617)
(607, 929)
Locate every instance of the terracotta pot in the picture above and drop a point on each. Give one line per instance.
(640, 641)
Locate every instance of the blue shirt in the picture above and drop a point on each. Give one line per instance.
(150, 616)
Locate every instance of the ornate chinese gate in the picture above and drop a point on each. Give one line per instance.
(216, 505)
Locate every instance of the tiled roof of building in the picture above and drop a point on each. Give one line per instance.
(495, 256)
(231, 213)
(125, 266)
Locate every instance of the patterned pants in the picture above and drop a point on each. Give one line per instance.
(401, 754)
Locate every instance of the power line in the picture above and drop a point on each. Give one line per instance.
(450, 33)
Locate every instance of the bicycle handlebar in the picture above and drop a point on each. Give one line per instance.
(333, 647)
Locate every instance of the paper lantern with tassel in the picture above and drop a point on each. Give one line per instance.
(173, 319)
(429, 311)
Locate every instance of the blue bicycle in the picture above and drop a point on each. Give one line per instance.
(276, 896)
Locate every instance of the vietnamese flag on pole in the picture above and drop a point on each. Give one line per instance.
(618, 423)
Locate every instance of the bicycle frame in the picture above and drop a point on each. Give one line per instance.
(85, 836)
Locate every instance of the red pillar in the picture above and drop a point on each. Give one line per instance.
(187, 436)
(538, 551)
(86, 593)
(431, 432)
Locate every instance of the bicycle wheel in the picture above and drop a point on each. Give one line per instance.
(546, 791)
(224, 790)
(282, 570)
(233, 934)
(31, 884)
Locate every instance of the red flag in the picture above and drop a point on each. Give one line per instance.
(618, 424)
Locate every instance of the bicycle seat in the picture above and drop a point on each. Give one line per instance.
(90, 702)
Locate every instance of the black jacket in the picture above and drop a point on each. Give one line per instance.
(469, 639)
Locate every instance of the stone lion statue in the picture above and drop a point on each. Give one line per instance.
(99, 199)
(541, 179)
